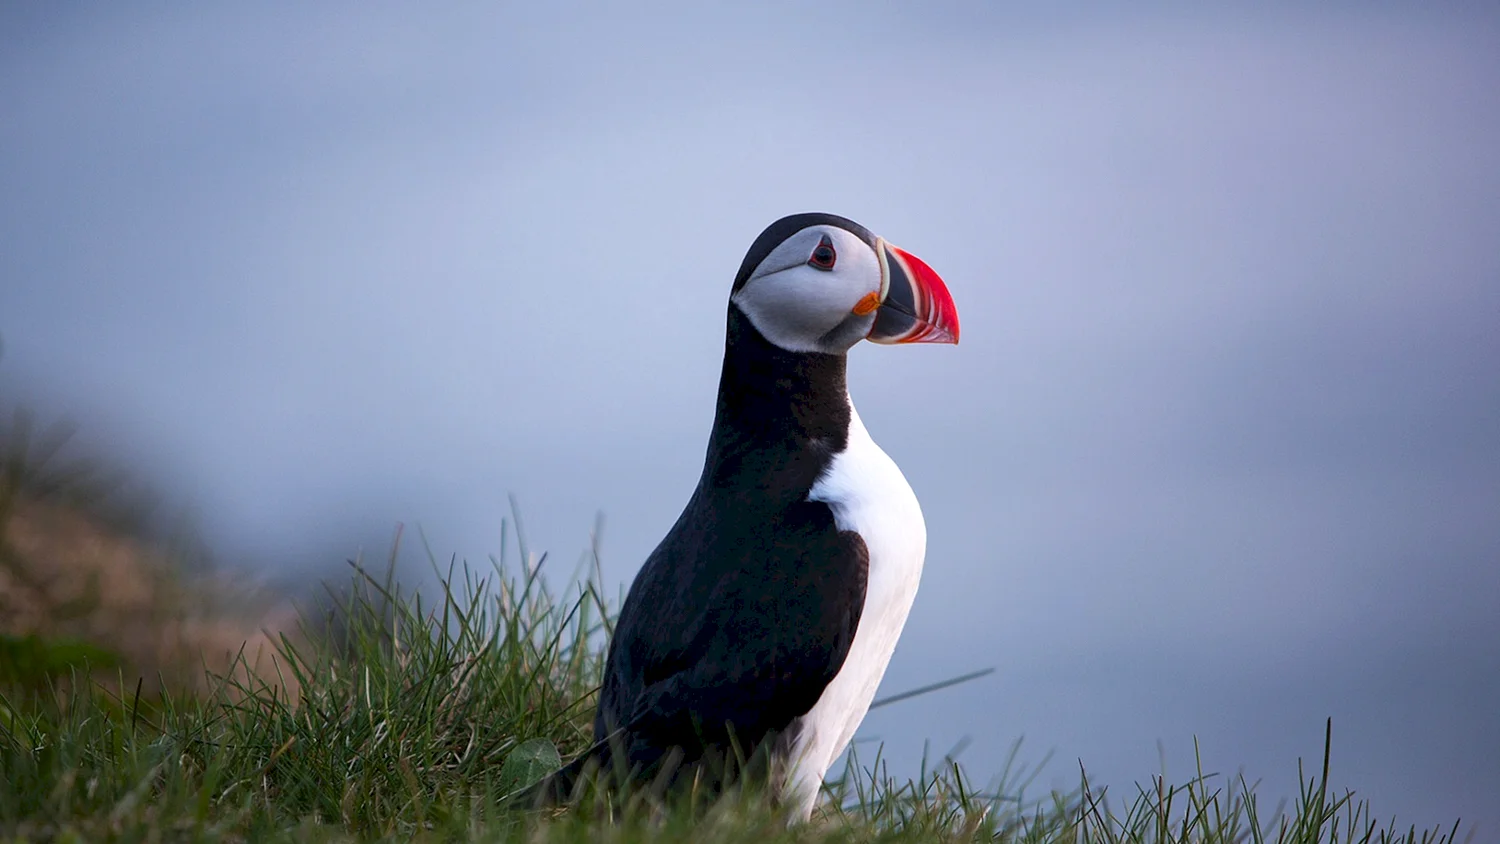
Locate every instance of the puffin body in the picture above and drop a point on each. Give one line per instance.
(758, 630)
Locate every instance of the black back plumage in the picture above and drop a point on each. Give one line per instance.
(747, 608)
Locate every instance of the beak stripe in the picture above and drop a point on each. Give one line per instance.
(917, 307)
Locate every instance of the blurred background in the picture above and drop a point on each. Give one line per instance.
(1219, 456)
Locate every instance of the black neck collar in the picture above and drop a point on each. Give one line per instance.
(777, 410)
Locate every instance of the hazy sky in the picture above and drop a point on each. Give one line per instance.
(1219, 455)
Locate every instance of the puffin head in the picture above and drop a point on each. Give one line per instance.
(821, 283)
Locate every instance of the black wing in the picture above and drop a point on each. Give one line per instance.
(740, 643)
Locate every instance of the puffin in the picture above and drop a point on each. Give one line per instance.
(753, 638)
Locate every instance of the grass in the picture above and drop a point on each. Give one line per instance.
(411, 721)
(382, 716)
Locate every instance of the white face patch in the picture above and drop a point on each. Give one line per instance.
(803, 308)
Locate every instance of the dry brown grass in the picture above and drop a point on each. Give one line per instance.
(70, 572)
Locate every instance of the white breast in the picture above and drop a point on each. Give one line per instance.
(868, 495)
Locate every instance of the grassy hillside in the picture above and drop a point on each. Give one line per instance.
(136, 706)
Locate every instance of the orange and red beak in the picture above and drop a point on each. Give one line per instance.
(915, 305)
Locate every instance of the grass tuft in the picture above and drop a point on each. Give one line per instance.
(389, 716)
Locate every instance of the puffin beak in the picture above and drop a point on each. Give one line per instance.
(915, 305)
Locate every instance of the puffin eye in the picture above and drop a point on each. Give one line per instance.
(823, 257)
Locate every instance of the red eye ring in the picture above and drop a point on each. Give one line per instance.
(824, 256)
